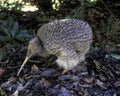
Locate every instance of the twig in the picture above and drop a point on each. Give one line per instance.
(5, 62)
(109, 10)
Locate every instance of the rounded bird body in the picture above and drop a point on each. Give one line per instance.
(68, 39)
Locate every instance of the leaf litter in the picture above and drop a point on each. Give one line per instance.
(99, 75)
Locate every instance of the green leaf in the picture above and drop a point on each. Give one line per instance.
(0, 21)
(28, 36)
(5, 30)
(10, 21)
(23, 31)
(4, 23)
(23, 37)
(6, 38)
(15, 29)
(1, 38)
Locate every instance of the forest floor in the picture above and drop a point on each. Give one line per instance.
(99, 75)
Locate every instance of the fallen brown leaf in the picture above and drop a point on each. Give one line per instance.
(34, 68)
(2, 71)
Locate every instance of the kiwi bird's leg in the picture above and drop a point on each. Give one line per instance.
(26, 59)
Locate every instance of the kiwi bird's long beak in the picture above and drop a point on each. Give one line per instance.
(26, 59)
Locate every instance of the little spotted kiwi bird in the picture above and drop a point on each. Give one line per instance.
(68, 39)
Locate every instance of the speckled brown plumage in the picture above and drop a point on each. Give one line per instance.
(68, 39)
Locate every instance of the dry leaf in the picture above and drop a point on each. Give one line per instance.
(2, 71)
(34, 68)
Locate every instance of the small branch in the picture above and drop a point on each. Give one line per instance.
(109, 10)
(5, 62)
